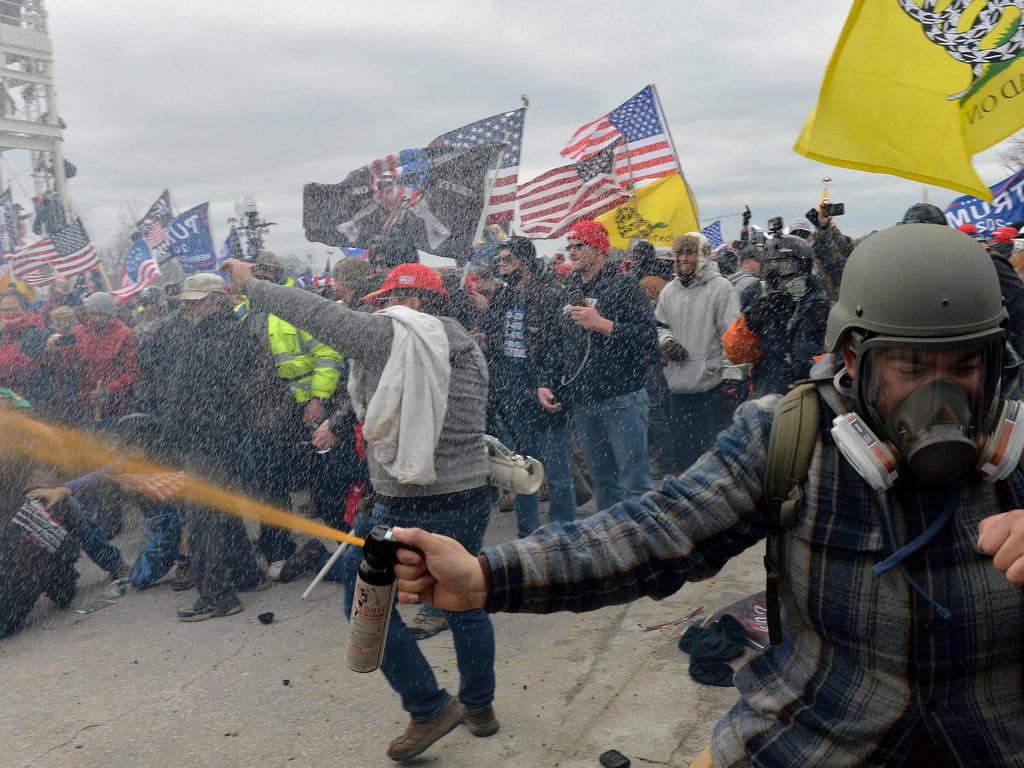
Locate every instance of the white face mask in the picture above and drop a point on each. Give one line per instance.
(796, 287)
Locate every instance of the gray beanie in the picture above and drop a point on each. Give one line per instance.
(100, 304)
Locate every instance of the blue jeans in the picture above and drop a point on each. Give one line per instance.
(404, 665)
(162, 529)
(613, 437)
(90, 537)
(552, 444)
(529, 431)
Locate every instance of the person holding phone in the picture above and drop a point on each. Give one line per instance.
(606, 337)
(517, 329)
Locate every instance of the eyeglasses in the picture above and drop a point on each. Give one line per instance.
(575, 246)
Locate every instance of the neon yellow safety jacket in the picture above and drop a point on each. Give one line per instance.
(311, 368)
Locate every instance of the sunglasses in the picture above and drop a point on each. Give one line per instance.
(575, 246)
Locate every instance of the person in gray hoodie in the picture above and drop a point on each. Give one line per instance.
(692, 313)
(456, 502)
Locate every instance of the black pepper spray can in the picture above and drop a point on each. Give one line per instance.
(373, 602)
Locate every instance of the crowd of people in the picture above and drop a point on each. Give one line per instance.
(369, 395)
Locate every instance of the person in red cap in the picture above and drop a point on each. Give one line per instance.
(1001, 234)
(1000, 248)
(607, 338)
(969, 229)
(419, 382)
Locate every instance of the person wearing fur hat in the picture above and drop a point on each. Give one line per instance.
(606, 336)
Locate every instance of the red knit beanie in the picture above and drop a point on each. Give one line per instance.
(592, 233)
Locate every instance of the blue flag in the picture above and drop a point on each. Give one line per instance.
(230, 249)
(1007, 206)
(713, 232)
(190, 242)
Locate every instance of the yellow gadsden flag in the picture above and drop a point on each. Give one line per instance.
(658, 213)
(9, 281)
(915, 88)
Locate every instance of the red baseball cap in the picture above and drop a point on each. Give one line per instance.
(415, 277)
(968, 229)
(1004, 235)
(592, 233)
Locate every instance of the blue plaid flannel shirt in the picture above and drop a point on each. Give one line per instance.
(875, 667)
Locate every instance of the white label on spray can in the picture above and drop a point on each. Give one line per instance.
(368, 627)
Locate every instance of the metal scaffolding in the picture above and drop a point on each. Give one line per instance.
(28, 101)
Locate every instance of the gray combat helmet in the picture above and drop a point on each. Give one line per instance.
(918, 281)
(789, 247)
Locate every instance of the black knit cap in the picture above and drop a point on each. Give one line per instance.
(520, 248)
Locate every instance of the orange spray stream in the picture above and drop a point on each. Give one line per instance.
(74, 451)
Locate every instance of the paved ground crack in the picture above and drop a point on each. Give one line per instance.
(74, 736)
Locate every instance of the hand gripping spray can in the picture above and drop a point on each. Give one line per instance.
(373, 601)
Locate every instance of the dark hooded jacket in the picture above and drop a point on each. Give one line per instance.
(1012, 289)
(204, 396)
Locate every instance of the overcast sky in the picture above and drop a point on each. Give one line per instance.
(219, 99)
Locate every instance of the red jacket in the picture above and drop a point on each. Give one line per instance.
(108, 358)
(17, 368)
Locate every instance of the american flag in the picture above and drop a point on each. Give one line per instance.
(713, 232)
(396, 179)
(33, 263)
(157, 486)
(637, 130)
(550, 204)
(498, 129)
(153, 226)
(140, 269)
(75, 253)
(64, 254)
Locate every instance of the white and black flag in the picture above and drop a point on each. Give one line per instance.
(418, 199)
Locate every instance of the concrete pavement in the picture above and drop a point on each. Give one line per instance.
(129, 686)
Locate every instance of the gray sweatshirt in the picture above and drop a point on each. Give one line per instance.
(695, 316)
(460, 459)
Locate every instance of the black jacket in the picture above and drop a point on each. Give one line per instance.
(542, 301)
(204, 399)
(791, 334)
(1012, 288)
(29, 566)
(587, 367)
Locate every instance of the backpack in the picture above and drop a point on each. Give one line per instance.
(790, 447)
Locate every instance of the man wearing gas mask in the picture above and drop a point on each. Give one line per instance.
(895, 532)
(783, 325)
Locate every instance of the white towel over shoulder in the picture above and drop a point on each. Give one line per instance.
(403, 420)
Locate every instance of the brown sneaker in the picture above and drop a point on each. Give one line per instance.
(482, 723)
(421, 734)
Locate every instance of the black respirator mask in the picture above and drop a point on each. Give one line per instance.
(785, 276)
(950, 423)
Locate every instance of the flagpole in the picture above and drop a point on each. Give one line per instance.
(675, 153)
(632, 196)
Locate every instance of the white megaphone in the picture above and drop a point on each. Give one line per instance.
(511, 471)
